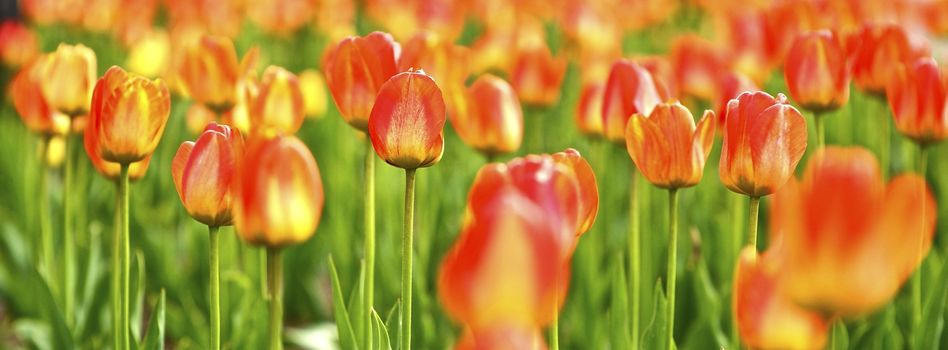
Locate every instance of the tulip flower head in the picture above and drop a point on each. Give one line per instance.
(493, 123)
(630, 90)
(589, 110)
(313, 87)
(917, 97)
(209, 69)
(730, 86)
(876, 52)
(407, 121)
(203, 172)
(817, 72)
(68, 77)
(764, 139)
(277, 192)
(18, 44)
(849, 239)
(537, 75)
(277, 108)
(355, 71)
(32, 107)
(112, 170)
(667, 147)
(128, 116)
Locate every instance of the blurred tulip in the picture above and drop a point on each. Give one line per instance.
(696, 63)
(746, 44)
(876, 51)
(277, 193)
(764, 139)
(150, 56)
(588, 189)
(537, 75)
(667, 147)
(335, 18)
(444, 61)
(209, 69)
(28, 100)
(917, 97)
(278, 107)
(198, 117)
(203, 172)
(765, 318)
(355, 71)
(592, 26)
(630, 90)
(730, 86)
(281, 17)
(783, 21)
(850, 240)
(313, 87)
(493, 123)
(407, 121)
(67, 79)
(501, 338)
(589, 110)
(18, 44)
(128, 116)
(817, 72)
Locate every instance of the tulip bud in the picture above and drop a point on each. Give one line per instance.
(876, 52)
(494, 121)
(537, 76)
(278, 107)
(667, 147)
(407, 121)
(631, 89)
(816, 71)
(277, 193)
(18, 44)
(128, 116)
(589, 110)
(68, 77)
(355, 71)
(313, 87)
(203, 172)
(696, 63)
(210, 71)
(32, 107)
(764, 139)
(918, 98)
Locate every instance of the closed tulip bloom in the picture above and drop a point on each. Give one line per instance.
(494, 122)
(876, 52)
(18, 44)
(630, 90)
(407, 122)
(32, 107)
(917, 97)
(501, 337)
(588, 189)
(589, 109)
(203, 172)
(850, 240)
(667, 147)
(277, 193)
(128, 116)
(537, 76)
(355, 71)
(68, 77)
(313, 87)
(696, 63)
(764, 139)
(278, 106)
(209, 69)
(444, 61)
(817, 72)
(765, 318)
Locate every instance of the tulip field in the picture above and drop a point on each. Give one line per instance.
(474, 175)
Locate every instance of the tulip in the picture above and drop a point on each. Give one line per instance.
(588, 190)
(850, 240)
(729, 87)
(494, 121)
(501, 338)
(209, 69)
(696, 64)
(917, 97)
(444, 61)
(407, 121)
(150, 55)
(278, 106)
(281, 17)
(589, 110)
(355, 71)
(28, 100)
(313, 87)
(765, 318)
(537, 75)
(112, 170)
(876, 52)
(630, 90)
(67, 79)
(816, 72)
(18, 44)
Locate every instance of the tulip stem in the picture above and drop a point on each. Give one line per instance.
(214, 250)
(406, 258)
(120, 258)
(68, 241)
(752, 224)
(820, 130)
(275, 286)
(369, 199)
(634, 257)
(884, 153)
(917, 276)
(672, 261)
(46, 239)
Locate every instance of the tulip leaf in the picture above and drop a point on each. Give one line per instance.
(933, 310)
(49, 331)
(356, 309)
(155, 337)
(380, 338)
(620, 307)
(839, 337)
(655, 334)
(347, 338)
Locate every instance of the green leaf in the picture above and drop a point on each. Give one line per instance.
(355, 308)
(839, 337)
(656, 333)
(57, 334)
(619, 311)
(155, 337)
(136, 281)
(380, 338)
(933, 308)
(347, 338)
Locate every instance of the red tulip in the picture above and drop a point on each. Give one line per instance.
(493, 123)
(917, 97)
(407, 121)
(849, 239)
(876, 52)
(817, 71)
(67, 79)
(355, 71)
(589, 109)
(696, 63)
(537, 75)
(32, 107)
(630, 90)
(278, 106)
(203, 172)
(764, 139)
(667, 147)
(730, 86)
(18, 44)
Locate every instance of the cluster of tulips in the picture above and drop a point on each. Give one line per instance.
(842, 239)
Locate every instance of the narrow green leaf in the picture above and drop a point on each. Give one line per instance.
(839, 337)
(619, 311)
(655, 334)
(346, 336)
(380, 339)
(155, 336)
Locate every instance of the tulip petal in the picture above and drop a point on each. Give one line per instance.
(407, 121)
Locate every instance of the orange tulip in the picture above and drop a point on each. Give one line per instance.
(18, 44)
(876, 52)
(667, 147)
(588, 190)
(782, 22)
(917, 97)
(444, 61)
(850, 240)
(730, 86)
(203, 172)
(278, 106)
(313, 87)
(68, 77)
(209, 70)
(407, 121)
(282, 17)
(33, 109)
(150, 55)
(630, 90)
(111, 170)
(817, 71)
(128, 116)
(277, 193)
(765, 318)
(537, 75)
(764, 139)
(501, 338)
(355, 71)
(589, 110)
(494, 121)
(696, 63)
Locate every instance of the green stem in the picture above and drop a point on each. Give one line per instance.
(752, 223)
(406, 258)
(275, 286)
(122, 252)
(884, 154)
(46, 238)
(634, 257)
(917, 276)
(820, 130)
(262, 267)
(672, 261)
(555, 328)
(214, 250)
(68, 241)
(369, 201)
(117, 268)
